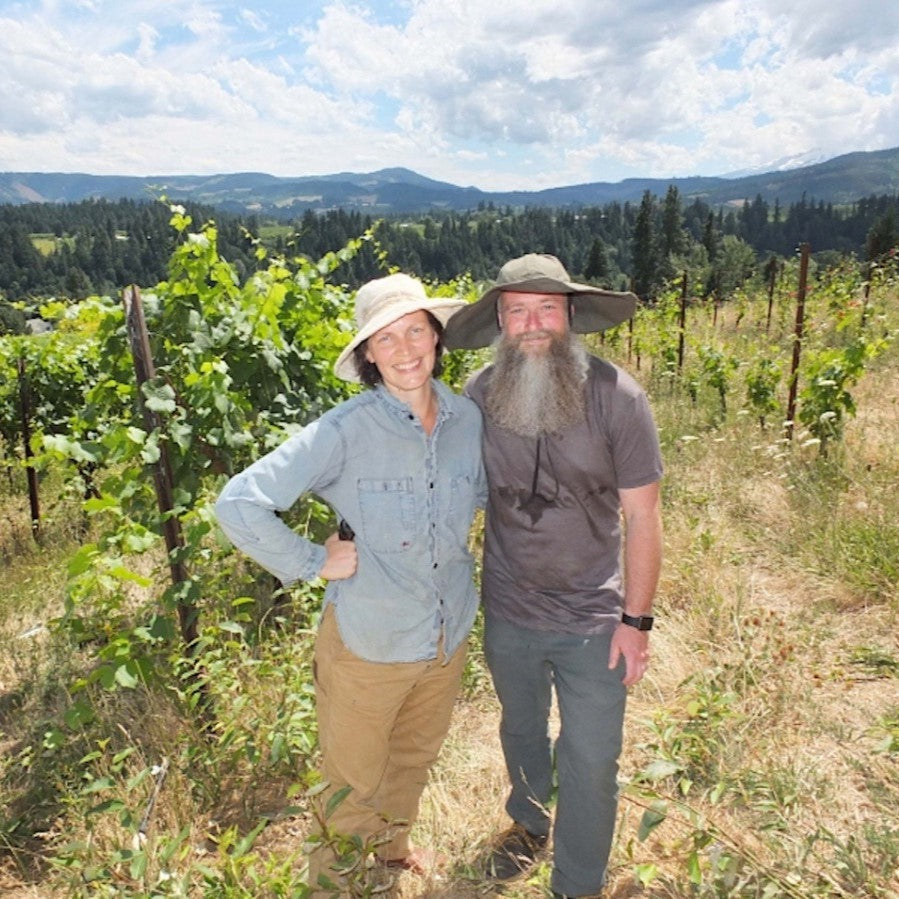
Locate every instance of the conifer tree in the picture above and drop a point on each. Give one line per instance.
(597, 268)
(643, 243)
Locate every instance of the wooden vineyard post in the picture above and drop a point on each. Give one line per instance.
(630, 338)
(797, 338)
(25, 407)
(771, 272)
(682, 326)
(145, 370)
(867, 301)
(631, 329)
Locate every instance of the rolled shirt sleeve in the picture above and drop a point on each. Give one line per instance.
(247, 509)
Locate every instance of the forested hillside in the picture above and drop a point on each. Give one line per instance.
(71, 251)
(74, 250)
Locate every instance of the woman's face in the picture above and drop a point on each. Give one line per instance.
(405, 353)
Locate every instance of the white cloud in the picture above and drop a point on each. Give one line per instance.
(148, 38)
(254, 21)
(828, 29)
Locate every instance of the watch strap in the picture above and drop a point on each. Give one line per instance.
(640, 622)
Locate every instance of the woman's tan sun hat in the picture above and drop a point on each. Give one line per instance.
(380, 303)
(593, 308)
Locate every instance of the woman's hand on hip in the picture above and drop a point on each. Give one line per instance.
(341, 560)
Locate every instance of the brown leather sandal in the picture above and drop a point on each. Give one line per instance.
(419, 861)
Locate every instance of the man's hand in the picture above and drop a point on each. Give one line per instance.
(627, 641)
(341, 560)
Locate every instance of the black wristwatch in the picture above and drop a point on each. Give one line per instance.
(641, 622)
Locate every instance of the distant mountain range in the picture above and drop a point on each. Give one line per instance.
(840, 181)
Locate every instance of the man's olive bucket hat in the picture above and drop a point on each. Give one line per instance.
(593, 309)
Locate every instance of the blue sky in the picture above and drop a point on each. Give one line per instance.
(499, 94)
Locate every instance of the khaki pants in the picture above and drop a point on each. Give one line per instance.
(381, 726)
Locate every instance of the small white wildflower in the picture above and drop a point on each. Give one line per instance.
(32, 631)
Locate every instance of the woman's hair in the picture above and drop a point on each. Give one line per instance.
(368, 371)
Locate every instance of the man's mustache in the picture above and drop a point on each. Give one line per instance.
(530, 335)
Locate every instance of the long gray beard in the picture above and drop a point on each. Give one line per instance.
(533, 395)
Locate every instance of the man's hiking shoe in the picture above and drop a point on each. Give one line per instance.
(514, 853)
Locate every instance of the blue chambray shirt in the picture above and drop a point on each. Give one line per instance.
(410, 498)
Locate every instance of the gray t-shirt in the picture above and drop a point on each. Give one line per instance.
(552, 555)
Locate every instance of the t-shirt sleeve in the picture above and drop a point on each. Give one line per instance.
(633, 435)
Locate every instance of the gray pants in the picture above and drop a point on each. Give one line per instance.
(525, 664)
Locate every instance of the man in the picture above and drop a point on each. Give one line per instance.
(570, 449)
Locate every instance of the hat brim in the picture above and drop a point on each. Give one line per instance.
(441, 308)
(594, 310)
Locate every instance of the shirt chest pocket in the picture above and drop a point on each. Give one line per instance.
(387, 506)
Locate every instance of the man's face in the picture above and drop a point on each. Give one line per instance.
(533, 319)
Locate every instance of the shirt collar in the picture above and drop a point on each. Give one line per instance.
(398, 407)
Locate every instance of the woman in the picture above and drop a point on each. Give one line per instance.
(401, 465)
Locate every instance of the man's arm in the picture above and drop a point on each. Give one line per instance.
(641, 507)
